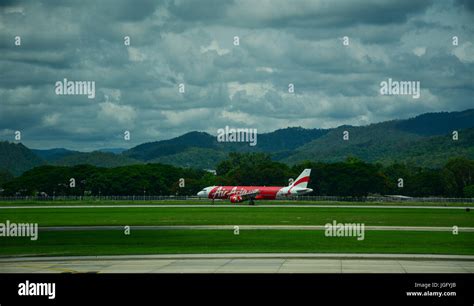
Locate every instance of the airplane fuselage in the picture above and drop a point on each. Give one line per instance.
(238, 194)
(264, 192)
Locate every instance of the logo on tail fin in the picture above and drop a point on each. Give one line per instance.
(302, 180)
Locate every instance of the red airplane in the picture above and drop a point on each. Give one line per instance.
(237, 194)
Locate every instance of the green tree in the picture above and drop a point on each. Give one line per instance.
(463, 172)
(5, 176)
(469, 191)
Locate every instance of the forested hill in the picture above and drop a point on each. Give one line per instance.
(16, 158)
(380, 143)
(425, 140)
(437, 123)
(281, 140)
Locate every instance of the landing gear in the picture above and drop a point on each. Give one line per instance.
(251, 202)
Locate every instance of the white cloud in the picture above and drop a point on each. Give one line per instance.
(251, 89)
(50, 119)
(465, 52)
(120, 113)
(15, 9)
(238, 117)
(214, 46)
(135, 55)
(177, 118)
(419, 51)
(264, 69)
(111, 94)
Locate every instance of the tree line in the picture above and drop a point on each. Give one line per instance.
(353, 178)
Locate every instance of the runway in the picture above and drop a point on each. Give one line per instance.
(230, 206)
(249, 227)
(244, 263)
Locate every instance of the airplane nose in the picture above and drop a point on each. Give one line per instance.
(201, 193)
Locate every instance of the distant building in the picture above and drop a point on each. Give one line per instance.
(397, 196)
(211, 171)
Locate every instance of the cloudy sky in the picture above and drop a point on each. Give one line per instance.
(176, 42)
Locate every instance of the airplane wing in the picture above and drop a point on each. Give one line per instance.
(250, 195)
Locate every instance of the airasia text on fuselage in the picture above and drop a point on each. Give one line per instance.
(222, 193)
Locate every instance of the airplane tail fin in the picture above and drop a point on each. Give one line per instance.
(303, 179)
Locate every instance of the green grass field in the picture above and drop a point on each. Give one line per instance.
(222, 241)
(238, 215)
(225, 203)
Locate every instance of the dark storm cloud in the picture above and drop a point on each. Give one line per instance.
(281, 13)
(205, 10)
(191, 42)
(467, 4)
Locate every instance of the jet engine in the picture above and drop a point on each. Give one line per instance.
(235, 199)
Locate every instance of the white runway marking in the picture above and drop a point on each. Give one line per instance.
(229, 206)
(248, 227)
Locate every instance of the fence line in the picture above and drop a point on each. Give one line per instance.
(195, 198)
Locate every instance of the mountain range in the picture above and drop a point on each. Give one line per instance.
(425, 140)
